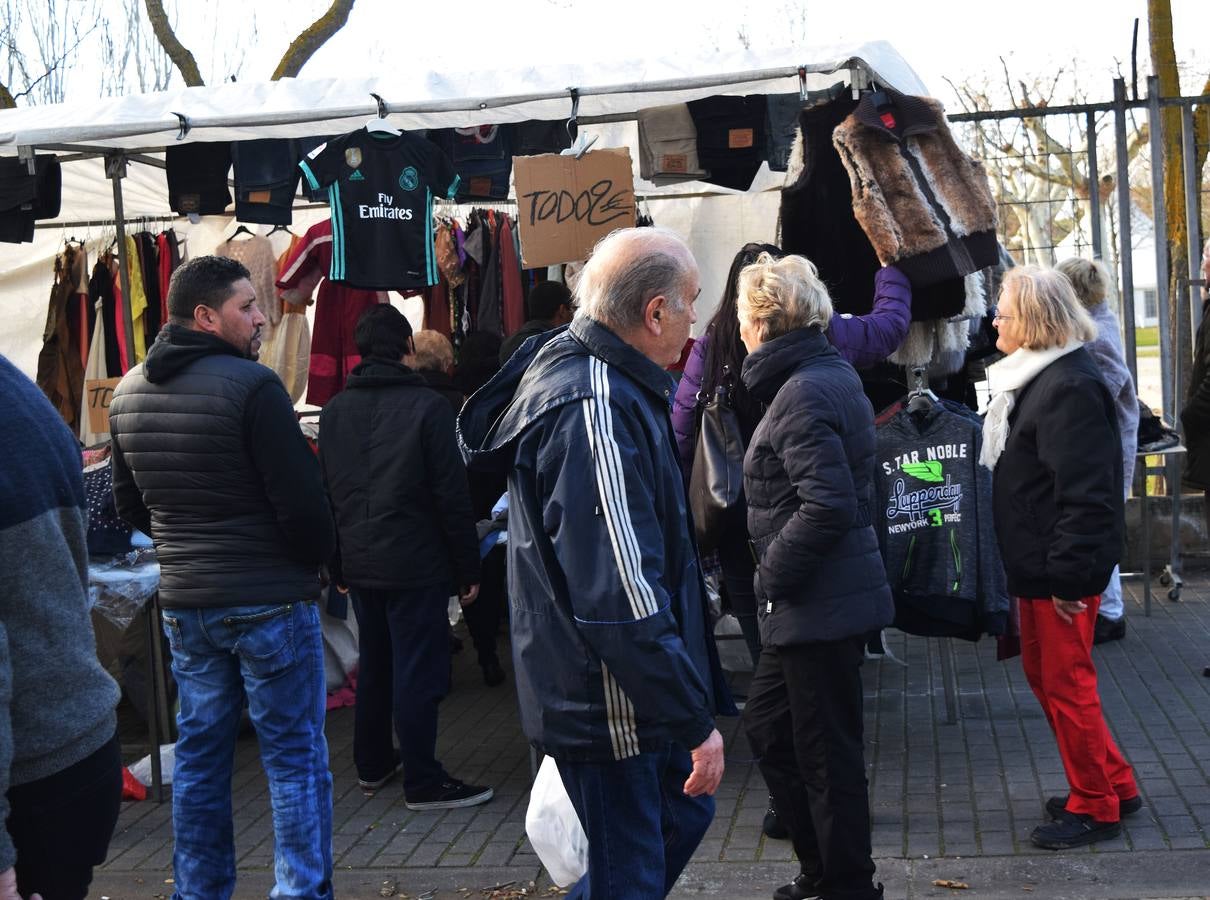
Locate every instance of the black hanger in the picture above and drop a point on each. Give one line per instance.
(243, 229)
(276, 228)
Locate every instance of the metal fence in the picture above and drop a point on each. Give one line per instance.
(1081, 180)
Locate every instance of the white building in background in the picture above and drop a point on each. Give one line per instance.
(1146, 297)
(1142, 241)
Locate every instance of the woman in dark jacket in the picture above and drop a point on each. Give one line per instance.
(716, 360)
(820, 585)
(1051, 435)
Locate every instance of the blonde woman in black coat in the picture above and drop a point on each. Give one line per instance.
(1051, 437)
(820, 583)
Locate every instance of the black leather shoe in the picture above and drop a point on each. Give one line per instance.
(1073, 830)
(772, 826)
(801, 888)
(493, 674)
(1106, 630)
(1056, 806)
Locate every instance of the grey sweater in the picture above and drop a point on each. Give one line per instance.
(935, 526)
(56, 701)
(1107, 353)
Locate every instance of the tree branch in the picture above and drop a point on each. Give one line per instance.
(305, 45)
(176, 51)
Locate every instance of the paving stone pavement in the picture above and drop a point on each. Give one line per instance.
(946, 799)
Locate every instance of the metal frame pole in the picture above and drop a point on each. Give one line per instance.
(1159, 212)
(1094, 185)
(1124, 222)
(155, 672)
(115, 170)
(1193, 224)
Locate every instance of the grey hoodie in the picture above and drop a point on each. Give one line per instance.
(935, 527)
(56, 702)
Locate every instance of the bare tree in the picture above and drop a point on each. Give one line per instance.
(1038, 165)
(130, 54)
(39, 43)
(304, 46)
(1163, 62)
(162, 26)
(301, 49)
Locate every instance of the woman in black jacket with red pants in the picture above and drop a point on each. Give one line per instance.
(820, 583)
(1051, 436)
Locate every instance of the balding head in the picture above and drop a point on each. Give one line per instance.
(627, 269)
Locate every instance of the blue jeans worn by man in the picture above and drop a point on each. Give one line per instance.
(273, 655)
(649, 824)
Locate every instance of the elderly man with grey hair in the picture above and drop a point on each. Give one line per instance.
(617, 675)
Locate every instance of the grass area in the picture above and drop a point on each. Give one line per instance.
(1147, 337)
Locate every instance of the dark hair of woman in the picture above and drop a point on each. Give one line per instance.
(725, 347)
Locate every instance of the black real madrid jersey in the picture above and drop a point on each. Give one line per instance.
(381, 189)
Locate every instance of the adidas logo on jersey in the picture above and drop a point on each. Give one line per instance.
(357, 176)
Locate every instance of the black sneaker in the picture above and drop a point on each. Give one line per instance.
(1106, 630)
(1073, 830)
(803, 887)
(370, 785)
(452, 794)
(772, 826)
(493, 673)
(1056, 806)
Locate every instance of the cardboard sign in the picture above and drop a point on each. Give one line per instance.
(565, 205)
(99, 391)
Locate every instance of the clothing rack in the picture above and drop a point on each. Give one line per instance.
(161, 218)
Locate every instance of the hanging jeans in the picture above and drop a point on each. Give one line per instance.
(803, 721)
(273, 655)
(641, 827)
(1057, 659)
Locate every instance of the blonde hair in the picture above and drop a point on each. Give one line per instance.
(1047, 308)
(1088, 277)
(434, 353)
(780, 295)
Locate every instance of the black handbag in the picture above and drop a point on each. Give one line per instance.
(718, 469)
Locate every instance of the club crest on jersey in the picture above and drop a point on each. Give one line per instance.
(408, 179)
(353, 157)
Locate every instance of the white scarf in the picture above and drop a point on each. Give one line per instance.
(1004, 380)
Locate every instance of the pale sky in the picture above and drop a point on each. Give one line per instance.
(938, 38)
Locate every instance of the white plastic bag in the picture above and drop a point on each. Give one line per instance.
(554, 829)
(142, 769)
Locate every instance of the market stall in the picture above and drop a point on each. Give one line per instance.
(112, 151)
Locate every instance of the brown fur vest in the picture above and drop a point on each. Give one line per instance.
(924, 204)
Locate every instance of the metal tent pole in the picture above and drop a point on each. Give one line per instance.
(1193, 225)
(115, 170)
(1094, 185)
(1125, 207)
(1159, 209)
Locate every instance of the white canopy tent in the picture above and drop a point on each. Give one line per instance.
(714, 220)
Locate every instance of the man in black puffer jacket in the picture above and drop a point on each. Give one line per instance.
(209, 460)
(406, 542)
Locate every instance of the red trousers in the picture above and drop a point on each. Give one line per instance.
(1057, 658)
